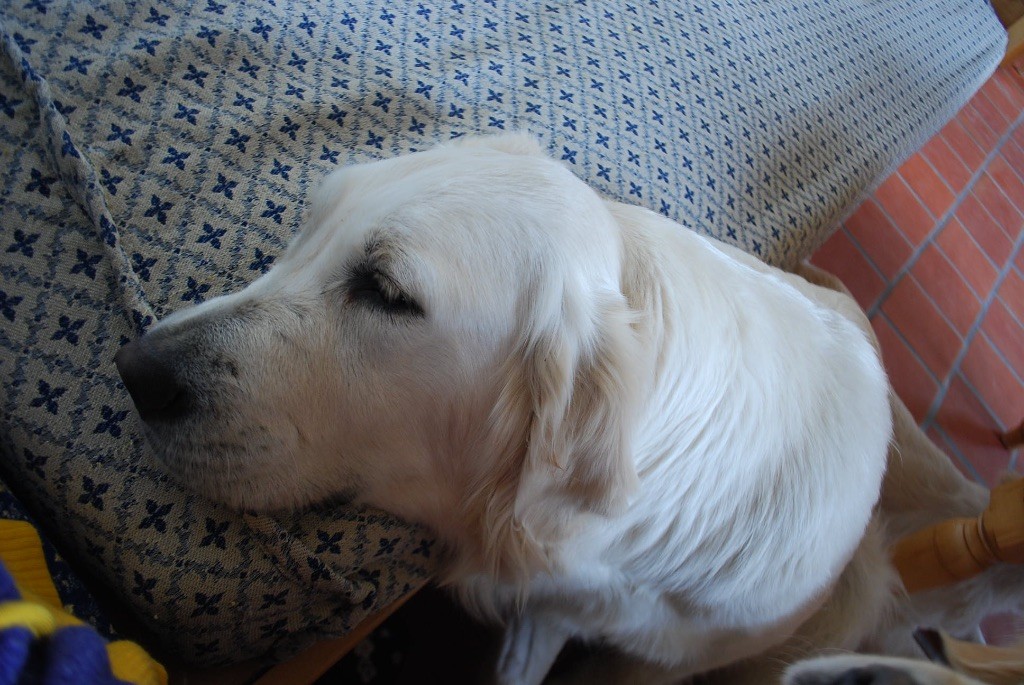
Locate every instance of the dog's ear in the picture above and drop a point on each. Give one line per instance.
(515, 143)
(582, 379)
(561, 431)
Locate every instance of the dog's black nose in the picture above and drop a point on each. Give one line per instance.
(151, 381)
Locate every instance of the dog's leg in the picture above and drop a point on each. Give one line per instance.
(921, 486)
(531, 643)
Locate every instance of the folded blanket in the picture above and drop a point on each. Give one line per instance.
(40, 641)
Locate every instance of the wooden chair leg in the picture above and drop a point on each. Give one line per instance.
(958, 549)
(1013, 438)
(1014, 45)
(302, 669)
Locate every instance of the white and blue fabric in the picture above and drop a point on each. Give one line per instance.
(156, 153)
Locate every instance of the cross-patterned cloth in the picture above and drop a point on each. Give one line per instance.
(156, 153)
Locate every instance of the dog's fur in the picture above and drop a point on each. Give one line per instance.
(854, 669)
(623, 431)
(965, 664)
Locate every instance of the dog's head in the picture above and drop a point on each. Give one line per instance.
(446, 337)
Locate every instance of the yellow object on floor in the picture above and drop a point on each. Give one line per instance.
(29, 601)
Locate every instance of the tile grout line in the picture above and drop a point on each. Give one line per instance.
(943, 221)
(1002, 274)
(970, 286)
(863, 253)
(956, 153)
(933, 410)
(942, 314)
(1013, 97)
(986, 302)
(968, 339)
(983, 120)
(958, 198)
(982, 401)
(1000, 141)
(1016, 317)
(909, 347)
(932, 240)
(957, 454)
(1005, 89)
(1002, 192)
(1002, 357)
(948, 218)
(904, 270)
(942, 178)
(1019, 173)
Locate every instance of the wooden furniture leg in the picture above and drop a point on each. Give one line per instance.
(958, 549)
(1014, 437)
(1014, 44)
(302, 669)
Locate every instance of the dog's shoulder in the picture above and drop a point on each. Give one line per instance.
(768, 423)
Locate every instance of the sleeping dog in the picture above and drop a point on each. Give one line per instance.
(623, 431)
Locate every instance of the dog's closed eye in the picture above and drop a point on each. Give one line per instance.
(368, 285)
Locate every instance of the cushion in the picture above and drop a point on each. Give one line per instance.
(156, 153)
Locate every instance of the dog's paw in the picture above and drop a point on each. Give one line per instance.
(862, 669)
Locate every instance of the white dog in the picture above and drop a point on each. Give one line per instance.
(623, 431)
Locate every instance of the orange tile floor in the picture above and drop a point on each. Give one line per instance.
(936, 257)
